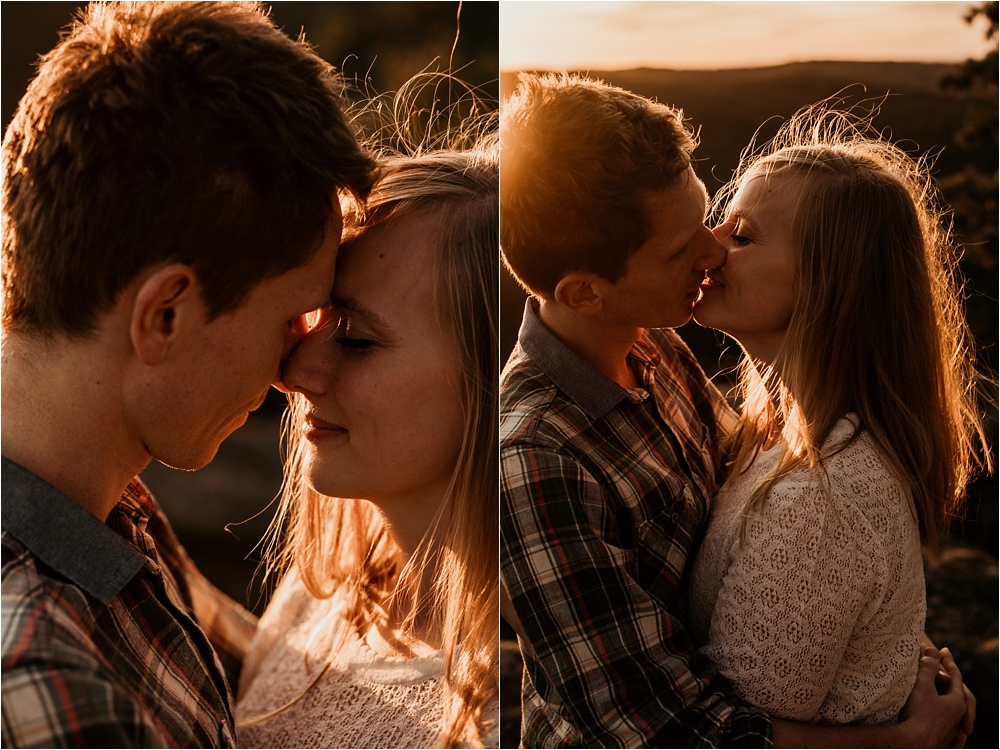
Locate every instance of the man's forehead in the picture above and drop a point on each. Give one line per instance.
(703, 192)
(683, 188)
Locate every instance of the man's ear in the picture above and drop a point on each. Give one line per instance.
(580, 291)
(167, 300)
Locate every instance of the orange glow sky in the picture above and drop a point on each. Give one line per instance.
(699, 35)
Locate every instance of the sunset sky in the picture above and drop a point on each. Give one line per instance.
(697, 35)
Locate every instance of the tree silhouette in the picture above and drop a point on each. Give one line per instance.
(972, 190)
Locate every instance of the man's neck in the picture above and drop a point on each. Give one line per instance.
(603, 345)
(63, 422)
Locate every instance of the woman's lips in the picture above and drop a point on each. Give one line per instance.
(710, 282)
(317, 429)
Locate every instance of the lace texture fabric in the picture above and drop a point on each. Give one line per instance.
(817, 614)
(364, 698)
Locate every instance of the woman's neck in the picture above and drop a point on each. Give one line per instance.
(411, 606)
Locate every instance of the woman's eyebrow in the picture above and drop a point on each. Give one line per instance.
(352, 304)
(742, 216)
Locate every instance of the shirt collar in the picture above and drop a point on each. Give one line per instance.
(65, 536)
(592, 391)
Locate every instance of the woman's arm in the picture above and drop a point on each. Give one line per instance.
(797, 625)
(929, 719)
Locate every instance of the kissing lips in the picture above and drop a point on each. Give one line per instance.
(711, 282)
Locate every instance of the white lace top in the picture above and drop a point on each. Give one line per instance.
(364, 699)
(817, 615)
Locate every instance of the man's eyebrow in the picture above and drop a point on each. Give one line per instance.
(355, 305)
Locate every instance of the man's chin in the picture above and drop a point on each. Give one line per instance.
(671, 321)
(200, 456)
(705, 321)
(192, 462)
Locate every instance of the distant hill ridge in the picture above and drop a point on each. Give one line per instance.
(729, 105)
(908, 76)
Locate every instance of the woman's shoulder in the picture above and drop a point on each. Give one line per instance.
(854, 488)
(853, 468)
(862, 476)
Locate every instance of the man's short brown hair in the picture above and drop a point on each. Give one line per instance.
(576, 157)
(154, 132)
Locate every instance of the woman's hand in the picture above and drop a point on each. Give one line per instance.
(939, 719)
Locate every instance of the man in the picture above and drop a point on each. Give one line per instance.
(170, 207)
(609, 430)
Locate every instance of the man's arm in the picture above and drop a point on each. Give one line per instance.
(623, 668)
(229, 627)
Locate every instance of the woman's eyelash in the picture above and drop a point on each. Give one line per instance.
(342, 337)
(739, 239)
(354, 344)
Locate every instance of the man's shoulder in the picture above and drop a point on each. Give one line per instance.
(532, 408)
(45, 616)
(59, 689)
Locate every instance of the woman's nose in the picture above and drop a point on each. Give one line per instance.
(713, 253)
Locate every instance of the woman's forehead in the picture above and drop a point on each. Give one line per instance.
(387, 271)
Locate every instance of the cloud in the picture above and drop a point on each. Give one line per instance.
(730, 34)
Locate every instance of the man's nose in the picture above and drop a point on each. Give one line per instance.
(295, 330)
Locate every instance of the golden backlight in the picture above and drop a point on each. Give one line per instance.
(711, 35)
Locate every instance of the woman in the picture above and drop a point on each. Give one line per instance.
(859, 430)
(384, 630)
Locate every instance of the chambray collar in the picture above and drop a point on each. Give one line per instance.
(589, 389)
(64, 535)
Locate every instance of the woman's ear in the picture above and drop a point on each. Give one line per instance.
(580, 292)
(165, 302)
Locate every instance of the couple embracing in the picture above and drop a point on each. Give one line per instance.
(189, 217)
(681, 574)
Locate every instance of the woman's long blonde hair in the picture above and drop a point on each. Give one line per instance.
(342, 545)
(878, 327)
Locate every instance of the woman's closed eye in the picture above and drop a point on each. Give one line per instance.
(739, 233)
(733, 228)
(354, 344)
(350, 338)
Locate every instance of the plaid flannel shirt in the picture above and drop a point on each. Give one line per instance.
(108, 629)
(604, 495)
